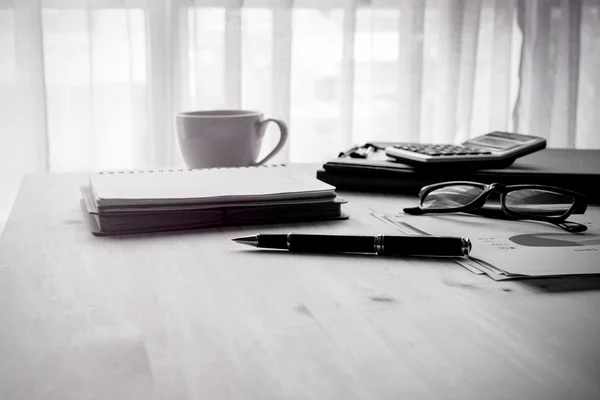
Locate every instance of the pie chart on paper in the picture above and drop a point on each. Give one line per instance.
(555, 240)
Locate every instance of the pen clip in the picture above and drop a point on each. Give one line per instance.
(359, 151)
(348, 152)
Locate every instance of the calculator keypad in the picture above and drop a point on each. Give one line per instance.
(441, 150)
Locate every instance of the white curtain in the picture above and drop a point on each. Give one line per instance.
(94, 84)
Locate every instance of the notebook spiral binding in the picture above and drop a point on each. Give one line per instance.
(150, 171)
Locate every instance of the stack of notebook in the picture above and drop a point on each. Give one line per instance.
(574, 169)
(126, 202)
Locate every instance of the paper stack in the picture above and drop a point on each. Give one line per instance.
(123, 202)
(515, 249)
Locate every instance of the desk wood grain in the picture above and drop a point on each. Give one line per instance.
(190, 315)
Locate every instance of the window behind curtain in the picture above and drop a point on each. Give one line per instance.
(340, 72)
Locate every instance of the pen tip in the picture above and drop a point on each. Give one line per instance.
(249, 240)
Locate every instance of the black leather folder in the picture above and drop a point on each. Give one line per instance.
(573, 169)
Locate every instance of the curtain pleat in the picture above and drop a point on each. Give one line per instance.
(501, 77)
(281, 61)
(26, 144)
(90, 134)
(467, 72)
(160, 62)
(347, 75)
(536, 89)
(410, 69)
(564, 110)
(233, 54)
(448, 66)
(588, 96)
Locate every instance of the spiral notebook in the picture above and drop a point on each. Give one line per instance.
(119, 202)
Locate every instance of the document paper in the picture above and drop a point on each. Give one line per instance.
(512, 249)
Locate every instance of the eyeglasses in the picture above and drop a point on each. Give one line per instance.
(534, 202)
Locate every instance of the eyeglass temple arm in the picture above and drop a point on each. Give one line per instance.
(580, 207)
(414, 211)
(573, 227)
(569, 226)
(485, 213)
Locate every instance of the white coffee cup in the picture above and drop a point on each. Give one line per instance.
(224, 138)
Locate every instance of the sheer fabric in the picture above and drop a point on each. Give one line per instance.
(94, 84)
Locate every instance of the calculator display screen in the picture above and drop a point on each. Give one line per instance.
(494, 142)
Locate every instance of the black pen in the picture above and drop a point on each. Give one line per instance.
(387, 245)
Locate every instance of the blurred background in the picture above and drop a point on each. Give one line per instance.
(94, 84)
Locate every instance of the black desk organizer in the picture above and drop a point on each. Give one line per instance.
(366, 168)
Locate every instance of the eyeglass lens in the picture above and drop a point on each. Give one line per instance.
(538, 202)
(449, 197)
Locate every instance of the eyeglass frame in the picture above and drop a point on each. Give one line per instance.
(578, 207)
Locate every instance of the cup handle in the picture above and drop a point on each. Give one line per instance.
(283, 135)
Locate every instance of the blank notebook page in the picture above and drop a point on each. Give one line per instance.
(205, 185)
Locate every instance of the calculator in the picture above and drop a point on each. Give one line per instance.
(492, 150)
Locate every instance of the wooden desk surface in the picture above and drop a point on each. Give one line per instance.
(9, 185)
(164, 317)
